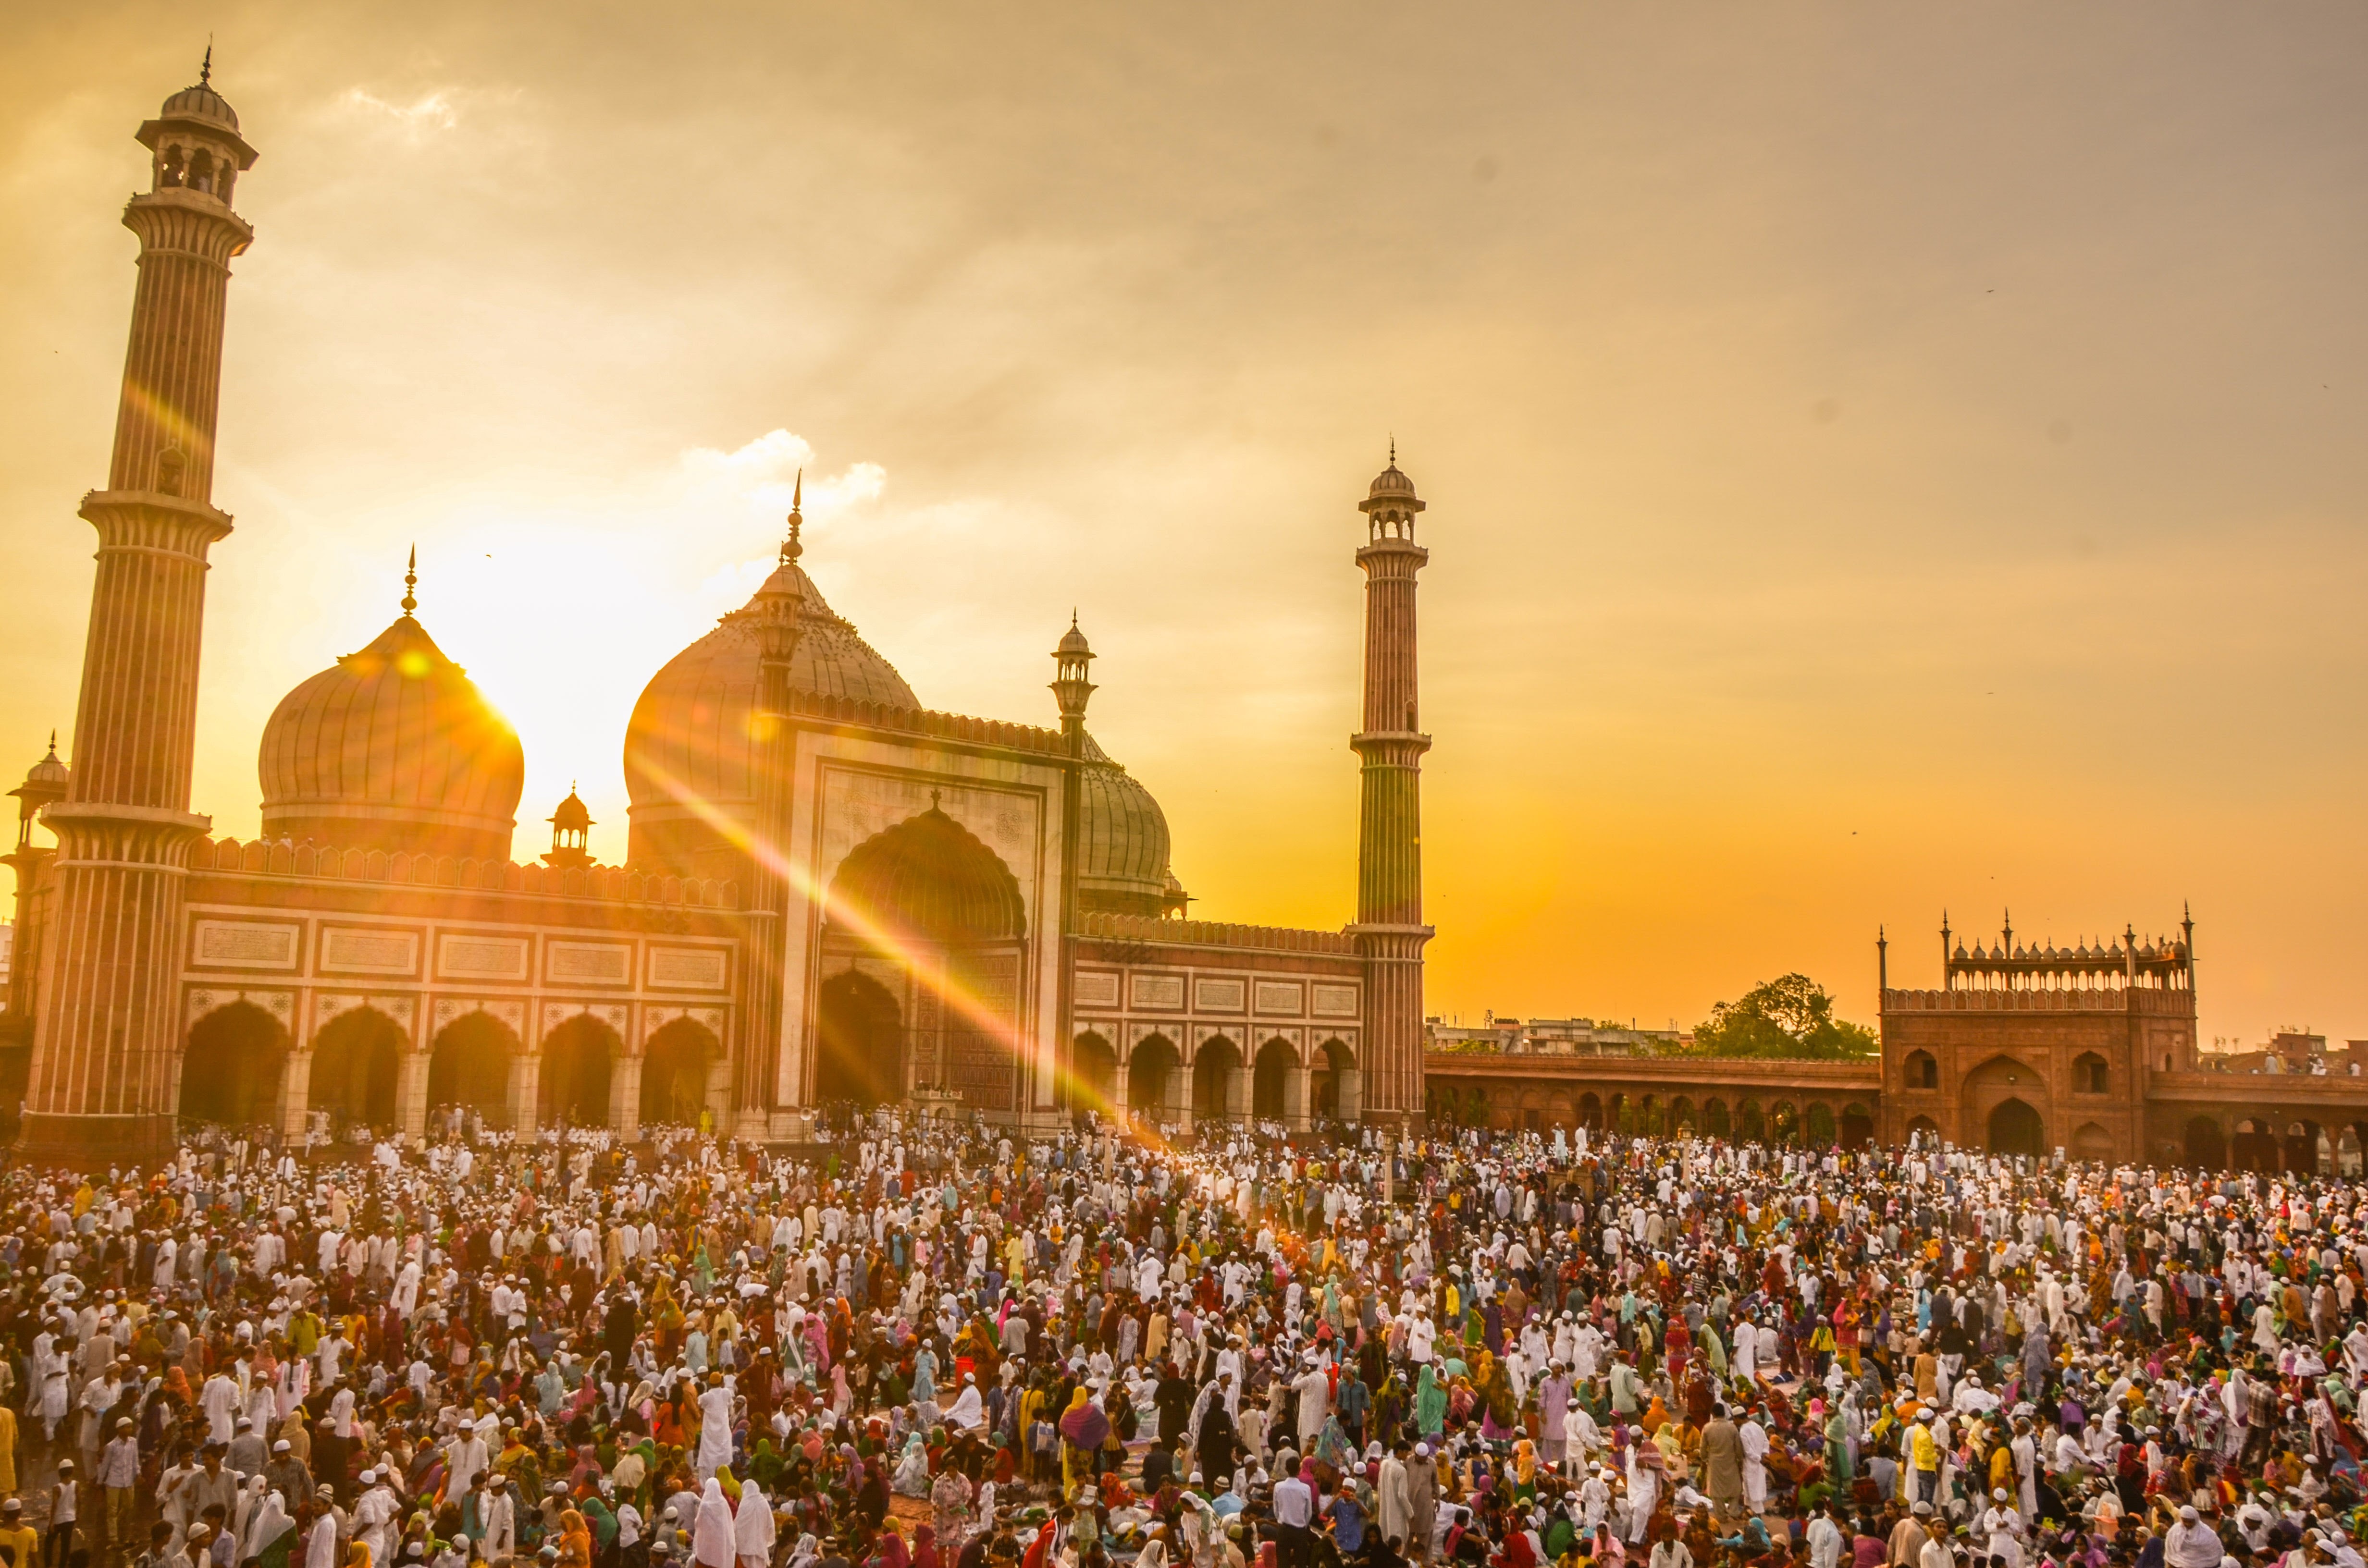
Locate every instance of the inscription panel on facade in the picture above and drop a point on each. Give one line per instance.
(246, 944)
(361, 950)
(1218, 996)
(1280, 996)
(686, 969)
(1097, 989)
(600, 962)
(1158, 991)
(482, 957)
(1336, 1002)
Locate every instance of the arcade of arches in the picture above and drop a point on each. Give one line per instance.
(1154, 1083)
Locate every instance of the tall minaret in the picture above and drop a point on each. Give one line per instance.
(107, 1041)
(1389, 925)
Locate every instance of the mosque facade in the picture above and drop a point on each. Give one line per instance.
(831, 892)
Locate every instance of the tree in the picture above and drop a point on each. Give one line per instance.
(1791, 1015)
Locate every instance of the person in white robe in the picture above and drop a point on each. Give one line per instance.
(752, 1527)
(968, 1411)
(712, 1543)
(715, 1426)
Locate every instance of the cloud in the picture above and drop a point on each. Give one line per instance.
(430, 111)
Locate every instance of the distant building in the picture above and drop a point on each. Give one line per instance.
(1552, 1037)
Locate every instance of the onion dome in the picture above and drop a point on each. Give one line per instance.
(201, 102)
(1122, 840)
(690, 753)
(392, 748)
(1390, 482)
(926, 880)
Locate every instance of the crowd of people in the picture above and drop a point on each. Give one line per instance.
(950, 1345)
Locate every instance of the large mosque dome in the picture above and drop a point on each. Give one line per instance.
(690, 759)
(690, 750)
(392, 748)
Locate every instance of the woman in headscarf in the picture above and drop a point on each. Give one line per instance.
(925, 1548)
(913, 1469)
(712, 1544)
(891, 1552)
(1430, 1402)
(576, 1539)
(270, 1534)
(751, 1527)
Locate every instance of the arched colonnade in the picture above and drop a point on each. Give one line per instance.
(365, 1063)
(1156, 1080)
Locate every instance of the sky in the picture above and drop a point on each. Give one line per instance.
(1881, 460)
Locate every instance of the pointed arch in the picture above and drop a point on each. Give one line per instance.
(357, 1060)
(232, 1066)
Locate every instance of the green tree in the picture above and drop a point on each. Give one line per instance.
(1791, 1015)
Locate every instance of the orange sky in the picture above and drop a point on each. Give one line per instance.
(1879, 458)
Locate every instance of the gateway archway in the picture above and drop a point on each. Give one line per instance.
(861, 1043)
(2016, 1128)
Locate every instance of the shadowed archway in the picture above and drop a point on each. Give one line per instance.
(2016, 1128)
(859, 1051)
(233, 1065)
(470, 1065)
(357, 1058)
(675, 1065)
(572, 1089)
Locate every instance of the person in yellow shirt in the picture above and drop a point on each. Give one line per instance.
(16, 1535)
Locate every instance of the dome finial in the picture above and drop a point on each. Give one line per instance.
(410, 581)
(206, 70)
(791, 548)
(1394, 448)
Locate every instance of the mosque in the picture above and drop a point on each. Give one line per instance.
(831, 892)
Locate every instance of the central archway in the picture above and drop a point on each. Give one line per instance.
(860, 1044)
(675, 1065)
(356, 1060)
(1213, 1066)
(470, 1065)
(2016, 1128)
(573, 1089)
(928, 896)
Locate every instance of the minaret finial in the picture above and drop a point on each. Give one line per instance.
(206, 71)
(53, 742)
(791, 548)
(410, 581)
(1394, 448)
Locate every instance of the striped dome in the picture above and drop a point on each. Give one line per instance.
(392, 748)
(1123, 840)
(689, 749)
